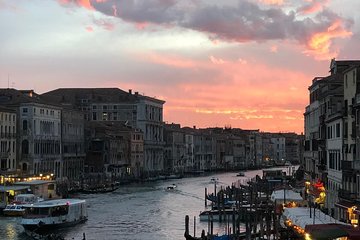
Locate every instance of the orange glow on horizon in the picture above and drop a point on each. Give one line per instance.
(244, 94)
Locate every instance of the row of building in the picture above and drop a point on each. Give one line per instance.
(332, 143)
(74, 133)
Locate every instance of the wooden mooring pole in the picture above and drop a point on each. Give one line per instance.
(205, 197)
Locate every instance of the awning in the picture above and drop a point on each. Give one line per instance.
(14, 188)
(327, 231)
(290, 196)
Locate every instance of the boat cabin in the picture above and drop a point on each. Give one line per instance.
(46, 189)
(53, 214)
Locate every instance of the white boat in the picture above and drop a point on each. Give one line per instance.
(53, 214)
(16, 207)
(13, 210)
(171, 187)
(214, 180)
(240, 174)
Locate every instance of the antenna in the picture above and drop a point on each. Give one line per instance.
(8, 80)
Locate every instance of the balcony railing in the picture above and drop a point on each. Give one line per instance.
(350, 165)
(347, 165)
(347, 195)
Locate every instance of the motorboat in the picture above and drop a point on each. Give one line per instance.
(240, 174)
(214, 180)
(15, 208)
(171, 187)
(53, 214)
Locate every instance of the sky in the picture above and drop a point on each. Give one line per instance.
(240, 63)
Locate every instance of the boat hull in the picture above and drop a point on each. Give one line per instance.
(13, 213)
(39, 226)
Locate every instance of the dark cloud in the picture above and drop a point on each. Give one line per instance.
(242, 22)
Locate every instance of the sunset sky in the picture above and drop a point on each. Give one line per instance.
(243, 63)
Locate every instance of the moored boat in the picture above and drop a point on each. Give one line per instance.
(16, 208)
(53, 214)
(13, 210)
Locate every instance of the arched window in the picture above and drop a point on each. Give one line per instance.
(25, 125)
(25, 147)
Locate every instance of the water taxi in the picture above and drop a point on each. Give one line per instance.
(214, 180)
(53, 214)
(240, 174)
(16, 207)
(171, 187)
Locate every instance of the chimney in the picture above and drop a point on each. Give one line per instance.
(130, 91)
(136, 93)
(194, 127)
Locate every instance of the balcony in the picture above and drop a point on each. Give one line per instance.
(321, 167)
(350, 166)
(347, 166)
(347, 195)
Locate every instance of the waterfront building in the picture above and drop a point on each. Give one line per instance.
(205, 149)
(116, 105)
(279, 151)
(330, 139)
(115, 151)
(239, 152)
(311, 125)
(189, 157)
(8, 131)
(294, 147)
(73, 144)
(174, 150)
(350, 191)
(39, 131)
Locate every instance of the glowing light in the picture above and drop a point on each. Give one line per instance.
(307, 236)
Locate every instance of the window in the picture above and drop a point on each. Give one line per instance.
(25, 125)
(338, 130)
(346, 83)
(24, 110)
(105, 116)
(25, 147)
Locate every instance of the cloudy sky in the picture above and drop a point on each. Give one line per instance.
(243, 63)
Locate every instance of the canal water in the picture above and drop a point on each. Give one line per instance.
(142, 211)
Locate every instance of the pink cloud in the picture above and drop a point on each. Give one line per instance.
(105, 24)
(272, 2)
(167, 60)
(313, 6)
(81, 3)
(319, 44)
